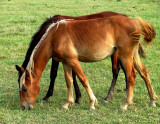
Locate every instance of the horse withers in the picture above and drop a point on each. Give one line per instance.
(87, 41)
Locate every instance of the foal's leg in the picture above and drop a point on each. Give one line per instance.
(69, 81)
(115, 70)
(76, 88)
(143, 71)
(53, 75)
(127, 63)
(125, 76)
(116, 63)
(74, 63)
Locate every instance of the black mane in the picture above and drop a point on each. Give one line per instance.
(36, 38)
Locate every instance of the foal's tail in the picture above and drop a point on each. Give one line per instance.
(146, 30)
(141, 51)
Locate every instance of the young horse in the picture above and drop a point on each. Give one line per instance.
(87, 41)
(36, 38)
(115, 65)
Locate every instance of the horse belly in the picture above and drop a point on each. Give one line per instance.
(96, 54)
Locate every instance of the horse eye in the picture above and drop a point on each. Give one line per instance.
(24, 90)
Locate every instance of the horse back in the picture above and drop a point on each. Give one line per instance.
(92, 16)
(93, 40)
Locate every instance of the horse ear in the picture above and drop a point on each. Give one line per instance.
(18, 68)
(27, 75)
(27, 81)
(22, 69)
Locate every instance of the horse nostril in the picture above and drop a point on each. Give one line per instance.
(23, 108)
(30, 108)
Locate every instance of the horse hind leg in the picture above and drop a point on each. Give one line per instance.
(127, 63)
(74, 64)
(115, 71)
(144, 73)
(69, 81)
(125, 76)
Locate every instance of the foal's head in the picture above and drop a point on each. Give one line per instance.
(27, 88)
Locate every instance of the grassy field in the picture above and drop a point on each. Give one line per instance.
(20, 19)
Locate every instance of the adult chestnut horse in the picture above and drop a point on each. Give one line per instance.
(87, 41)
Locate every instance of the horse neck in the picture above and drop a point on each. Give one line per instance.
(28, 55)
(36, 38)
(40, 59)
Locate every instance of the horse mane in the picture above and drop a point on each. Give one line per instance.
(53, 27)
(30, 65)
(36, 38)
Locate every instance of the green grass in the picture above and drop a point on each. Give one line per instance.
(20, 19)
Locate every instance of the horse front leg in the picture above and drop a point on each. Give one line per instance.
(53, 75)
(115, 71)
(76, 88)
(69, 81)
(74, 64)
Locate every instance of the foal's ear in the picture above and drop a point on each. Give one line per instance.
(27, 80)
(27, 74)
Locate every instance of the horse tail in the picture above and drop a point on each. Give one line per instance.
(141, 51)
(146, 30)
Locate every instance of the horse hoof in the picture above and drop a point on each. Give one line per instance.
(96, 102)
(105, 101)
(152, 105)
(123, 108)
(65, 108)
(76, 104)
(77, 101)
(92, 108)
(44, 101)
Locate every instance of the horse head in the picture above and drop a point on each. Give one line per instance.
(27, 88)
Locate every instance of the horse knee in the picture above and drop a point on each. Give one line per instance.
(115, 70)
(133, 73)
(145, 72)
(142, 70)
(84, 81)
(132, 77)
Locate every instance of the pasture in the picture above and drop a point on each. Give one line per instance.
(20, 19)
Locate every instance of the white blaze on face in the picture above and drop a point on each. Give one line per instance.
(22, 80)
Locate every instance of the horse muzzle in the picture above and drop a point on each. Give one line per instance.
(27, 107)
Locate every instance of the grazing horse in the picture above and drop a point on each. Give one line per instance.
(71, 41)
(36, 38)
